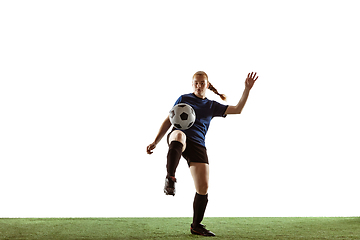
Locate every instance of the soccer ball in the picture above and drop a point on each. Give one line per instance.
(182, 116)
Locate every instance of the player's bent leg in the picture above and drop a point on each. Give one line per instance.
(177, 144)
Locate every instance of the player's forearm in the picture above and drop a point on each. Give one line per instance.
(162, 131)
(242, 102)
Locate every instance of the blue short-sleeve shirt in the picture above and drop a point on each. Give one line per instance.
(205, 111)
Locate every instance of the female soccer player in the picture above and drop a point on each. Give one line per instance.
(190, 143)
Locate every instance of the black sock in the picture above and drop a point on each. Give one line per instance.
(173, 157)
(200, 202)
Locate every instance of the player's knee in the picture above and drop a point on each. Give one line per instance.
(179, 136)
(203, 189)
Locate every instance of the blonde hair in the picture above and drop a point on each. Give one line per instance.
(211, 87)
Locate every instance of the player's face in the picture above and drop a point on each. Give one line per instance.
(200, 84)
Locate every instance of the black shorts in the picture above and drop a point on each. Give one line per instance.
(194, 152)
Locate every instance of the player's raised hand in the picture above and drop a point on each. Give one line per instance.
(250, 80)
(151, 147)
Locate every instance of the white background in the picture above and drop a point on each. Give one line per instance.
(85, 86)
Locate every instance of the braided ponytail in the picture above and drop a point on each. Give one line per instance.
(211, 87)
(222, 96)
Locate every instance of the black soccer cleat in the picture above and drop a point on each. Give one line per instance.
(169, 188)
(201, 230)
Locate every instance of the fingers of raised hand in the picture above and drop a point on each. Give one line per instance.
(250, 76)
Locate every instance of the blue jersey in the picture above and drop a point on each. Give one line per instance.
(205, 110)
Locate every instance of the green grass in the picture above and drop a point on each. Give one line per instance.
(178, 228)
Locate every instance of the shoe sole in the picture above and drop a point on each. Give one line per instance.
(169, 193)
(197, 233)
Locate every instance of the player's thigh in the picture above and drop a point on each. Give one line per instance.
(179, 136)
(200, 174)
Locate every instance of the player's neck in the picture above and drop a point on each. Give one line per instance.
(199, 95)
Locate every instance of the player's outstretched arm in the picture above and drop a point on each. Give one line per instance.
(163, 129)
(249, 83)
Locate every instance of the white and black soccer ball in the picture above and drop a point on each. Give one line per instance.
(182, 116)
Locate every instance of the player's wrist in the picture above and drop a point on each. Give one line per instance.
(247, 89)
